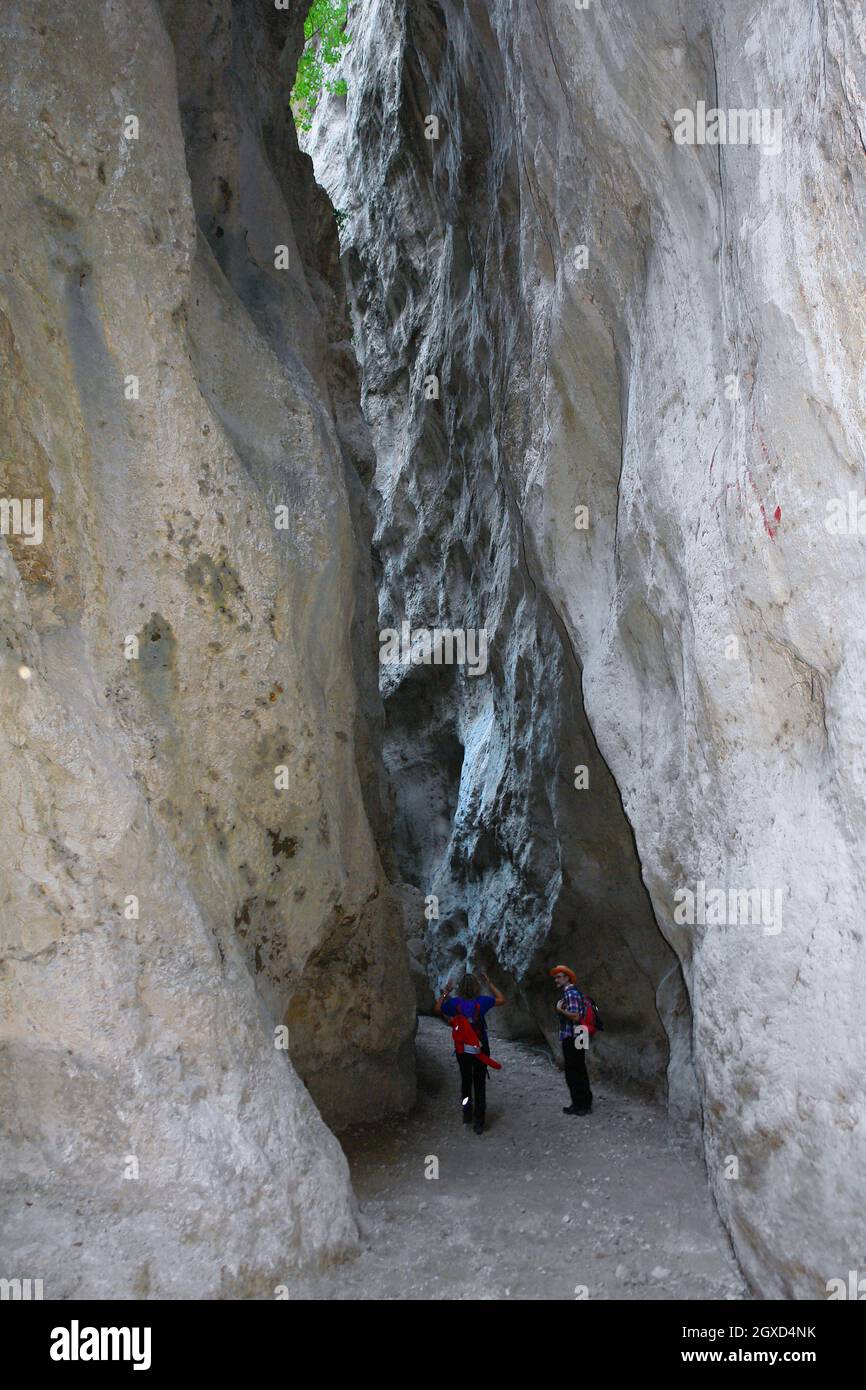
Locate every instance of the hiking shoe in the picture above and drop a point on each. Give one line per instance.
(569, 1110)
(478, 1126)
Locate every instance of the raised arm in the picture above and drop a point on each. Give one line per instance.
(437, 1007)
(497, 995)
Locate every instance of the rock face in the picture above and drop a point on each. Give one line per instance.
(694, 379)
(192, 781)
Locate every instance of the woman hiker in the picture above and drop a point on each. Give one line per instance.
(572, 1010)
(469, 1007)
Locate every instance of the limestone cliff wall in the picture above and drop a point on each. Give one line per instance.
(165, 388)
(694, 378)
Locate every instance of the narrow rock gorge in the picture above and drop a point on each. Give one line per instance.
(509, 348)
(671, 337)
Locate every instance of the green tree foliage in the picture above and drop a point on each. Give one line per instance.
(325, 37)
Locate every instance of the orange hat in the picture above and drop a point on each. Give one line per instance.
(564, 970)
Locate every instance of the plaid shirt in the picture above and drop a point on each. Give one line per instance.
(574, 1002)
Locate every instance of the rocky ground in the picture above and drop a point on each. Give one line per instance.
(538, 1206)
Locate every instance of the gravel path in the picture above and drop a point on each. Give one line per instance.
(539, 1205)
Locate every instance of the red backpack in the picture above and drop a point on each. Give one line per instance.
(465, 1036)
(591, 1017)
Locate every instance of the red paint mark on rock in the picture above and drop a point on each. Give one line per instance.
(777, 514)
(767, 527)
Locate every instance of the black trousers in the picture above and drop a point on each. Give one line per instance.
(473, 1077)
(576, 1076)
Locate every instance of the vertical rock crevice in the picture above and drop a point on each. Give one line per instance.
(524, 866)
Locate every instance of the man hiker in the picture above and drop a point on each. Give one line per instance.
(572, 1010)
(467, 1011)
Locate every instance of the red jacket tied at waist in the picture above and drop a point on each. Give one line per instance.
(465, 1036)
